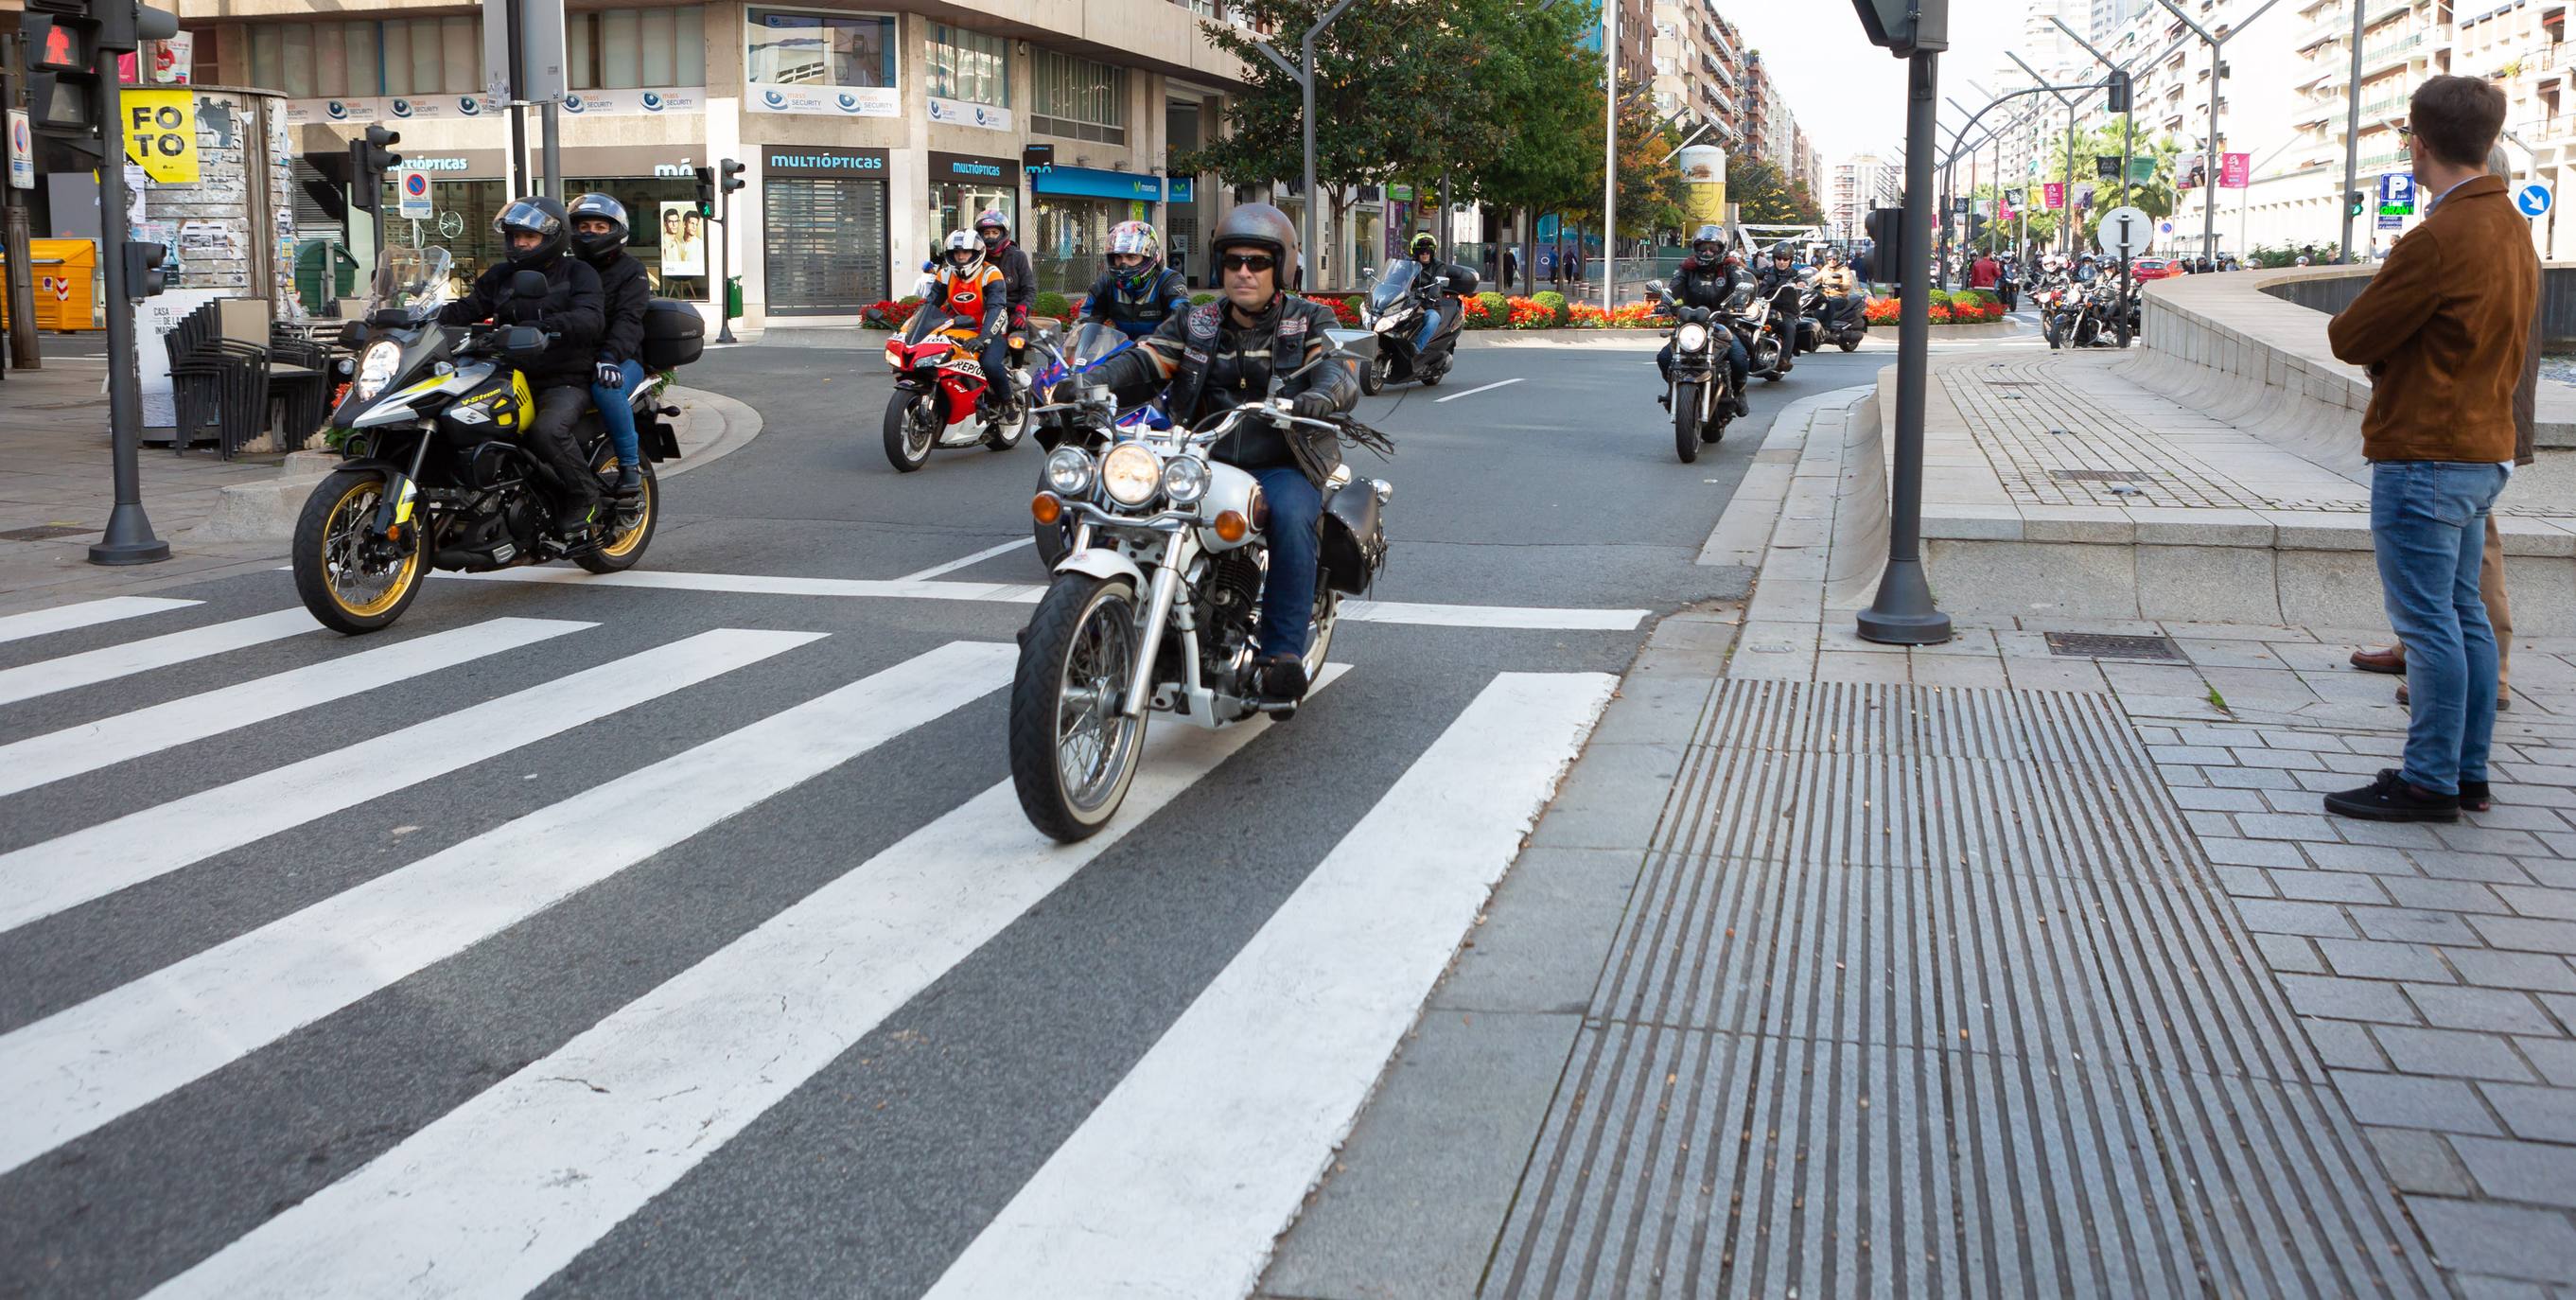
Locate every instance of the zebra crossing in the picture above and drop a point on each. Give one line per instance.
(1209, 1139)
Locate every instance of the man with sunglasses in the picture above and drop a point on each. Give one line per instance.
(1225, 354)
(1136, 292)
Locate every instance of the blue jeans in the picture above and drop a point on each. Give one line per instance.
(617, 413)
(2428, 524)
(1296, 552)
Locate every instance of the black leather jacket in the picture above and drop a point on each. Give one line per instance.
(1020, 274)
(1109, 301)
(1212, 362)
(1438, 278)
(1705, 286)
(573, 310)
(625, 290)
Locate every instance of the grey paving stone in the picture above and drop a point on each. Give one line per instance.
(2527, 934)
(2370, 959)
(2252, 853)
(2451, 1006)
(2542, 1114)
(2347, 999)
(2214, 800)
(2549, 871)
(2196, 755)
(2555, 1058)
(2279, 917)
(2537, 901)
(2288, 760)
(2474, 1235)
(1545, 933)
(2444, 864)
(2284, 826)
(2361, 857)
(2562, 1006)
(2328, 886)
(2482, 1287)
(2395, 835)
(2543, 1173)
(2480, 839)
(2540, 972)
(2289, 952)
(2356, 764)
(2246, 882)
(2252, 778)
(2219, 824)
(2418, 1161)
(2445, 895)
(2509, 817)
(2412, 925)
(2451, 1052)
(2323, 782)
(2410, 1101)
(2345, 1045)
(2181, 776)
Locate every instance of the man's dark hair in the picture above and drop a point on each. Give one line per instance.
(2458, 118)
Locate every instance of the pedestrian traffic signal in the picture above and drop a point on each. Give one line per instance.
(369, 159)
(1886, 227)
(706, 190)
(731, 172)
(145, 274)
(62, 83)
(2353, 201)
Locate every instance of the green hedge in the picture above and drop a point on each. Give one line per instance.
(1202, 299)
(1051, 304)
(1553, 301)
(1498, 309)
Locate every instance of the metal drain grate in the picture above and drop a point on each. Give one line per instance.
(44, 533)
(2103, 645)
(2099, 475)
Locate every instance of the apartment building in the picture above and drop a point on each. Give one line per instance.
(1860, 183)
(867, 134)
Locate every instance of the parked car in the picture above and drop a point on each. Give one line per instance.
(2153, 268)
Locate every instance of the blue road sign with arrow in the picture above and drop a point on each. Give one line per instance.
(2532, 197)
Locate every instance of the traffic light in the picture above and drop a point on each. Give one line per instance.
(63, 40)
(2115, 93)
(731, 171)
(706, 191)
(1886, 228)
(1903, 27)
(369, 160)
(145, 274)
(1976, 227)
(2353, 200)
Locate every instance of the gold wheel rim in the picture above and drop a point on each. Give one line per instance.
(340, 534)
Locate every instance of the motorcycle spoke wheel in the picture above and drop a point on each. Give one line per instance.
(1073, 752)
(350, 582)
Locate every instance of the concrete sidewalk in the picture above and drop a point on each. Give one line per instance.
(2021, 965)
(220, 517)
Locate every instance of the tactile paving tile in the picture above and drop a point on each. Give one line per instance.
(1930, 993)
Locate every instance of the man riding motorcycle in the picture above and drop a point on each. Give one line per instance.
(1222, 355)
(1842, 288)
(2087, 269)
(534, 234)
(971, 290)
(599, 236)
(1135, 292)
(1441, 281)
(1018, 272)
(1708, 279)
(1782, 270)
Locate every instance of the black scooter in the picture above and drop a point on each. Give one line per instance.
(1417, 329)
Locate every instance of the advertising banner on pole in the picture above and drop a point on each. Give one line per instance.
(2054, 192)
(2235, 171)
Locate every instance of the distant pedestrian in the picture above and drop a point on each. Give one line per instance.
(1985, 272)
(2443, 329)
(1511, 269)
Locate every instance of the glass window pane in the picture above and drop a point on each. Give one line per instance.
(268, 57)
(653, 28)
(689, 43)
(621, 49)
(785, 49)
(581, 62)
(462, 55)
(397, 39)
(295, 58)
(330, 61)
(366, 76)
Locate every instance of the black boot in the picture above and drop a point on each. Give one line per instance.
(575, 519)
(630, 480)
(1665, 399)
(1279, 677)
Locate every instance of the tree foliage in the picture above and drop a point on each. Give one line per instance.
(1760, 195)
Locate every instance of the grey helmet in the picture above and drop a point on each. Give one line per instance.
(1708, 234)
(1259, 225)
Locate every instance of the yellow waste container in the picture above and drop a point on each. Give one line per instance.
(65, 272)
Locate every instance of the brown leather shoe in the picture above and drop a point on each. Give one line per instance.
(2373, 660)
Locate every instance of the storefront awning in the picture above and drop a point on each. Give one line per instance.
(1092, 182)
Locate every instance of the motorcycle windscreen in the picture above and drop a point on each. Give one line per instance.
(1096, 341)
(1394, 282)
(416, 280)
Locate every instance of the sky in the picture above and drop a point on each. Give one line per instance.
(1850, 94)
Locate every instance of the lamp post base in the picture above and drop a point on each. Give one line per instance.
(128, 539)
(1904, 613)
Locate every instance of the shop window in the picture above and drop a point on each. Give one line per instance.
(790, 48)
(624, 49)
(969, 66)
(1078, 99)
(366, 58)
(432, 56)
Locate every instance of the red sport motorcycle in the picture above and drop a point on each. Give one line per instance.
(939, 379)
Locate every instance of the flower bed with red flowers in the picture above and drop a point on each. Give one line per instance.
(890, 315)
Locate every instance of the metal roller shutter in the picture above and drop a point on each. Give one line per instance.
(826, 244)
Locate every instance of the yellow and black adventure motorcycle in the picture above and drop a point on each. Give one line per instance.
(436, 470)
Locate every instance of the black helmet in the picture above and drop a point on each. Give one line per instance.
(538, 216)
(1782, 252)
(1424, 242)
(1715, 239)
(1259, 225)
(595, 247)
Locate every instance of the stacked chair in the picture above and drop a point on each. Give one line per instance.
(232, 372)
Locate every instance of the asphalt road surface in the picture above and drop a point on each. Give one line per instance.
(682, 937)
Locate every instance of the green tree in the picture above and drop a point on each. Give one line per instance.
(1759, 194)
(1538, 79)
(2157, 195)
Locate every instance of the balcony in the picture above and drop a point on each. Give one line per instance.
(2388, 53)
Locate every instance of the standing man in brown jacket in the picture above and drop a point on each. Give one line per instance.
(2442, 329)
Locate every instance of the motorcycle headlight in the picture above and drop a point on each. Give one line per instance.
(1692, 337)
(1185, 479)
(1131, 474)
(1068, 472)
(376, 368)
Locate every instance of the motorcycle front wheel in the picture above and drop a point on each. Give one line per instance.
(909, 431)
(1073, 754)
(1686, 421)
(1850, 345)
(350, 584)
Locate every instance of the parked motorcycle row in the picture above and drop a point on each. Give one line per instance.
(2076, 314)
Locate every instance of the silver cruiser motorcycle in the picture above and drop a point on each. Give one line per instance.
(1155, 607)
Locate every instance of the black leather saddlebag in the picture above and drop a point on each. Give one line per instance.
(1354, 539)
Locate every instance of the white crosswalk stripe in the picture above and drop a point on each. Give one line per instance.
(1216, 1135)
(42, 879)
(40, 760)
(1210, 1138)
(77, 1070)
(65, 618)
(108, 663)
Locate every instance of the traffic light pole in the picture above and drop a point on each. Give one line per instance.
(128, 538)
(1903, 613)
(21, 281)
(2351, 133)
(724, 260)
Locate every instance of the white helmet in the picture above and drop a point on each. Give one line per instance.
(963, 241)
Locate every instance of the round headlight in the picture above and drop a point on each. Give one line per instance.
(1131, 474)
(1692, 337)
(376, 368)
(1185, 479)
(1385, 323)
(1068, 472)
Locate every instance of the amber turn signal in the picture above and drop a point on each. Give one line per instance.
(1232, 526)
(1045, 508)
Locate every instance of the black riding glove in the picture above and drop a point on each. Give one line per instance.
(611, 375)
(1312, 405)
